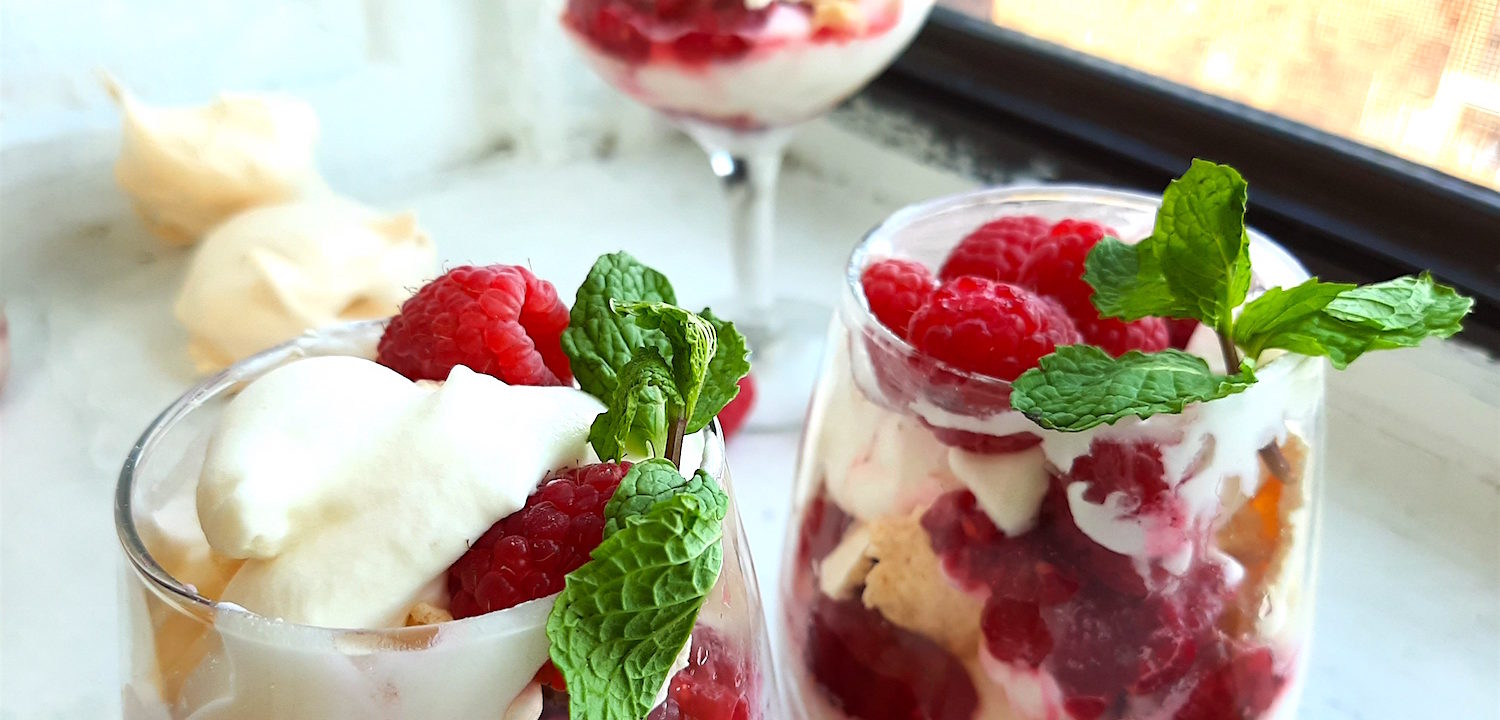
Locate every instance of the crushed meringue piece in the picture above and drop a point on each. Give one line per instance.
(272, 273)
(1009, 487)
(907, 585)
(425, 613)
(188, 169)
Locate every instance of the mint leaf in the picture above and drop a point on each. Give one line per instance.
(692, 339)
(1342, 321)
(1078, 387)
(1128, 283)
(640, 410)
(730, 363)
(599, 343)
(1196, 262)
(623, 617)
(652, 481)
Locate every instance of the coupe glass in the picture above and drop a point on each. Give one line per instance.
(187, 656)
(740, 81)
(949, 560)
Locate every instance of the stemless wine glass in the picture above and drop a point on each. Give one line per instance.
(950, 560)
(187, 656)
(739, 76)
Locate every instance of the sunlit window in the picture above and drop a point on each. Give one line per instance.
(1416, 78)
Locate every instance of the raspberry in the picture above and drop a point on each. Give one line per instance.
(823, 526)
(1091, 563)
(987, 327)
(996, 250)
(1097, 643)
(1134, 469)
(498, 320)
(895, 290)
(976, 554)
(1014, 631)
(1180, 331)
(873, 670)
(1244, 687)
(717, 684)
(733, 416)
(526, 555)
(1118, 337)
(1055, 269)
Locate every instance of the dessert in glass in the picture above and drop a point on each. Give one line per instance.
(739, 76)
(952, 557)
(424, 517)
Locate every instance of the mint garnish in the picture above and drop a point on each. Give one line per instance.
(599, 342)
(1081, 386)
(1196, 264)
(662, 372)
(639, 415)
(626, 614)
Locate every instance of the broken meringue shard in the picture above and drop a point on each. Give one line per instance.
(187, 169)
(269, 274)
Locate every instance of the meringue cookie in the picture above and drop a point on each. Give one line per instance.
(271, 273)
(189, 168)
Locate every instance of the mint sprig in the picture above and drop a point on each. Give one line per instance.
(625, 615)
(1196, 264)
(663, 372)
(623, 308)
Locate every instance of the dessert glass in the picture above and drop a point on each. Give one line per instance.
(739, 76)
(950, 560)
(187, 656)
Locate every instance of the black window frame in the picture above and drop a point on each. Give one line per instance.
(1351, 212)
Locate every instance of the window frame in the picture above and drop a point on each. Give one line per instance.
(1351, 212)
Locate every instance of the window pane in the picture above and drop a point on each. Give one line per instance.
(1417, 78)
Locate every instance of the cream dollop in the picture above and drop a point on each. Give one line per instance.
(271, 273)
(348, 488)
(189, 168)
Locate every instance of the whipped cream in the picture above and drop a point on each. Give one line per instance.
(271, 273)
(348, 488)
(189, 168)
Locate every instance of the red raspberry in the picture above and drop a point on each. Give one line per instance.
(1132, 468)
(526, 555)
(498, 320)
(823, 526)
(977, 554)
(1243, 687)
(1091, 563)
(1118, 337)
(996, 250)
(872, 670)
(1014, 631)
(1180, 331)
(1055, 269)
(733, 416)
(895, 290)
(717, 684)
(987, 327)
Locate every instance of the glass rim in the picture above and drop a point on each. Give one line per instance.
(146, 566)
(1000, 196)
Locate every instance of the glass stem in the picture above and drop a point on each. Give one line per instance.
(749, 182)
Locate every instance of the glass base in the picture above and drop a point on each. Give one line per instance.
(786, 349)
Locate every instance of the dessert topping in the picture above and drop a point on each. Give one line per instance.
(988, 327)
(498, 320)
(1196, 265)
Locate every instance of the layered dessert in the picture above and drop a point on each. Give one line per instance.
(1062, 464)
(489, 506)
(742, 64)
